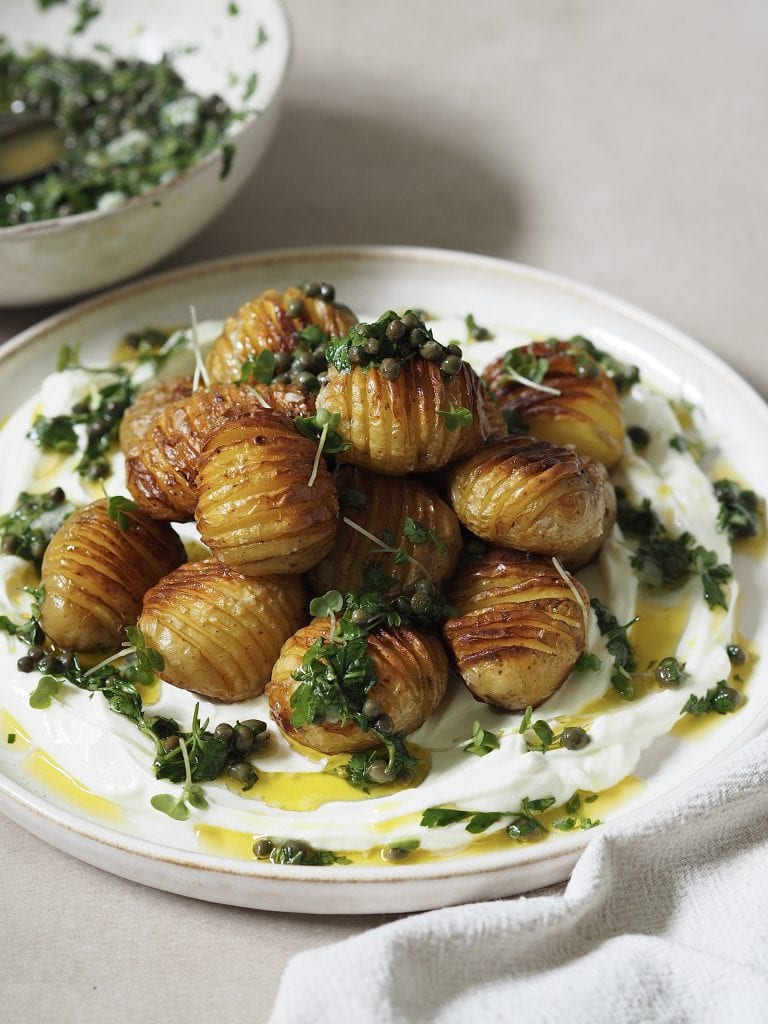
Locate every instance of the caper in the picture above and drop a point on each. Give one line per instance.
(323, 378)
(432, 350)
(282, 361)
(393, 854)
(48, 663)
(454, 350)
(224, 732)
(10, 544)
(422, 603)
(255, 725)
(395, 330)
(263, 847)
(639, 437)
(294, 308)
(354, 354)
(377, 771)
(390, 369)
(67, 660)
(359, 617)
(726, 699)
(371, 708)
(308, 382)
(311, 289)
(371, 346)
(36, 653)
(736, 654)
(327, 292)
(97, 470)
(409, 322)
(56, 495)
(25, 663)
(384, 723)
(426, 587)
(292, 849)
(574, 737)
(417, 338)
(37, 550)
(242, 772)
(170, 743)
(669, 673)
(451, 366)
(243, 739)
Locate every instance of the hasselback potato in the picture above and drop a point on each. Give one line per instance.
(161, 469)
(286, 398)
(147, 404)
(407, 424)
(266, 322)
(95, 575)
(518, 629)
(220, 632)
(381, 505)
(412, 672)
(586, 413)
(256, 510)
(531, 495)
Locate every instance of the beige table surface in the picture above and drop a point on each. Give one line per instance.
(621, 143)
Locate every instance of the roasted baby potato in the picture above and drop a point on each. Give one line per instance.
(518, 629)
(286, 398)
(147, 404)
(381, 505)
(95, 575)
(407, 424)
(220, 632)
(531, 495)
(586, 413)
(256, 509)
(412, 671)
(161, 469)
(272, 321)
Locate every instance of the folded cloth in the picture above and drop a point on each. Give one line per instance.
(664, 919)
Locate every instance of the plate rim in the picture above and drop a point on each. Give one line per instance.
(30, 810)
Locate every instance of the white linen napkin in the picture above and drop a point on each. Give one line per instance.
(664, 919)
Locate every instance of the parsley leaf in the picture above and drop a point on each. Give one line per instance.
(483, 741)
(740, 511)
(618, 644)
(721, 698)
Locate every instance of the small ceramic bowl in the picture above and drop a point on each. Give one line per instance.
(239, 50)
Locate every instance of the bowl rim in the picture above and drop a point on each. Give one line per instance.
(199, 167)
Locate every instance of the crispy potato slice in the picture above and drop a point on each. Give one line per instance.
(388, 501)
(587, 412)
(518, 629)
(147, 404)
(264, 323)
(531, 495)
(220, 632)
(256, 510)
(161, 469)
(403, 426)
(95, 575)
(412, 671)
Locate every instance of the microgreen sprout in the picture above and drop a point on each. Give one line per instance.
(455, 417)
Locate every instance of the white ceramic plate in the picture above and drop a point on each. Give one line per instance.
(372, 279)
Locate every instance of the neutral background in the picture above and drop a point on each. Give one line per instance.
(621, 142)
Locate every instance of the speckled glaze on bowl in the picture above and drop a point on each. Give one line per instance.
(219, 48)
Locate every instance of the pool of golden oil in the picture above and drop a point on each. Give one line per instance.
(150, 693)
(654, 636)
(48, 467)
(196, 551)
(755, 547)
(9, 727)
(29, 150)
(306, 791)
(24, 576)
(44, 769)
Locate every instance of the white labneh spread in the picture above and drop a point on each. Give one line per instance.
(107, 756)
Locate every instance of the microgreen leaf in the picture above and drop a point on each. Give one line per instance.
(455, 417)
(119, 509)
(44, 692)
(483, 741)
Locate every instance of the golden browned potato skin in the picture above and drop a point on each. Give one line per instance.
(263, 323)
(581, 556)
(388, 500)
(530, 495)
(147, 404)
(286, 398)
(95, 576)
(220, 632)
(161, 469)
(518, 630)
(255, 508)
(394, 427)
(412, 671)
(587, 412)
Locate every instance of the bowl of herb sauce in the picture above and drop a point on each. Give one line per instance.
(137, 124)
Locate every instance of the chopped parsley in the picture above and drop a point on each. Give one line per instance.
(524, 825)
(740, 510)
(720, 699)
(27, 531)
(619, 645)
(662, 560)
